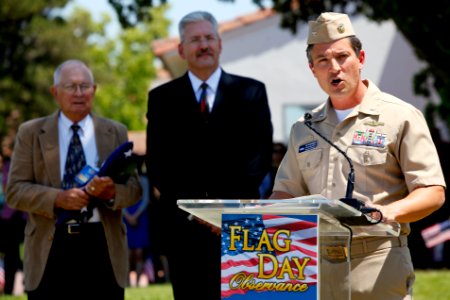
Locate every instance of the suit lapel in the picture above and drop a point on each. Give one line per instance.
(104, 136)
(224, 82)
(49, 142)
(186, 88)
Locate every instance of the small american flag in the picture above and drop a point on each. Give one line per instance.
(285, 240)
(436, 234)
(2, 279)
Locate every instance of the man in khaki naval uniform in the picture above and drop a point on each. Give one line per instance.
(380, 134)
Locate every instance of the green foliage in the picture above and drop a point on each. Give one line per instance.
(123, 67)
(131, 13)
(36, 39)
(33, 40)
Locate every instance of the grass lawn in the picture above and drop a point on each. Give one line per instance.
(430, 285)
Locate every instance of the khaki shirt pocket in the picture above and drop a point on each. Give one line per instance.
(370, 168)
(311, 164)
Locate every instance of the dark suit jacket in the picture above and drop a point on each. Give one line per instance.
(35, 180)
(189, 157)
(225, 157)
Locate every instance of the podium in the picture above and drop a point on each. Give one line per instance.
(295, 248)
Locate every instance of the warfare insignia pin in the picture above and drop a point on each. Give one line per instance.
(374, 123)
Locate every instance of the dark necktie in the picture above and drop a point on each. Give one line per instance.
(75, 161)
(204, 109)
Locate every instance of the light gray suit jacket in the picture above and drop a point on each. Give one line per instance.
(34, 181)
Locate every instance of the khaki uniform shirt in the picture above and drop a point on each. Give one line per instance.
(387, 140)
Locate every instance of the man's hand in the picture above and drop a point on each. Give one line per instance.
(102, 188)
(72, 199)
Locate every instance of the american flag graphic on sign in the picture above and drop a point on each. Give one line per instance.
(269, 256)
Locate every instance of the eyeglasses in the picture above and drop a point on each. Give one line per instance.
(72, 88)
(198, 40)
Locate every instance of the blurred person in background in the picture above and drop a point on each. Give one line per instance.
(136, 219)
(278, 151)
(13, 225)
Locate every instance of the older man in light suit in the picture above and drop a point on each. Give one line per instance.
(71, 260)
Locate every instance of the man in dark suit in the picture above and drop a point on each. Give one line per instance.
(220, 153)
(65, 259)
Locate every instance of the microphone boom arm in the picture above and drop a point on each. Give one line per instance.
(351, 175)
(368, 212)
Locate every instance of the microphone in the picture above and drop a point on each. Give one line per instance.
(348, 199)
(351, 174)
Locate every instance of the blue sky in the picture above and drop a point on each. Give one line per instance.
(223, 11)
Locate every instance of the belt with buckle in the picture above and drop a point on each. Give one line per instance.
(73, 228)
(334, 253)
(371, 244)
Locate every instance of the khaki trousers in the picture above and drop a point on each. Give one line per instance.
(381, 269)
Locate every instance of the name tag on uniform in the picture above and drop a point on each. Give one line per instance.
(307, 147)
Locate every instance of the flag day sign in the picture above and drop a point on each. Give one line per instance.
(269, 257)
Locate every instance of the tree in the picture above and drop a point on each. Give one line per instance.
(33, 42)
(131, 13)
(36, 38)
(124, 68)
